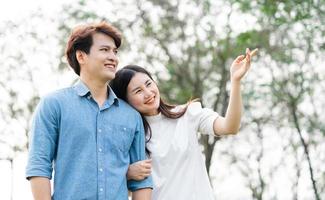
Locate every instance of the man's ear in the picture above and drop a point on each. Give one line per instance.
(81, 56)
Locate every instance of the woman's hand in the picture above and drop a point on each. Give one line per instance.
(241, 65)
(139, 170)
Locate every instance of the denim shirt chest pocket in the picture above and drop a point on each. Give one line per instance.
(120, 137)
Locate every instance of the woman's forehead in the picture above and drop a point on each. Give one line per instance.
(138, 79)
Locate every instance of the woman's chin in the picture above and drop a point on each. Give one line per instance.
(151, 112)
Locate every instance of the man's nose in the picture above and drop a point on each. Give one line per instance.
(112, 56)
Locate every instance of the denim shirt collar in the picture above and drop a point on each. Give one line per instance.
(83, 90)
(112, 98)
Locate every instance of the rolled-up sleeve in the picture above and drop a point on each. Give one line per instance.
(43, 139)
(137, 152)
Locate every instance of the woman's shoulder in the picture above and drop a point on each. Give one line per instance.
(192, 108)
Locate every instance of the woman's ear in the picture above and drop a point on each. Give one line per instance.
(81, 56)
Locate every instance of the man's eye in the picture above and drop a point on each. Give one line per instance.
(115, 51)
(149, 83)
(138, 91)
(104, 49)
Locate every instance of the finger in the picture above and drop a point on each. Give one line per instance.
(254, 52)
(147, 166)
(145, 162)
(145, 171)
(144, 176)
(140, 162)
(144, 167)
(239, 58)
(248, 54)
(248, 60)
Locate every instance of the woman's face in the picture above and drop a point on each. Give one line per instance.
(143, 94)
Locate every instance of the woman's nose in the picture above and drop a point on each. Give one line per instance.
(147, 93)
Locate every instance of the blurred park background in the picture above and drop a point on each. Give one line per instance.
(189, 46)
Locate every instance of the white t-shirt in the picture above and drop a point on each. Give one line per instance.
(178, 167)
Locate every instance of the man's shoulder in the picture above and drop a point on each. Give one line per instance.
(59, 95)
(127, 107)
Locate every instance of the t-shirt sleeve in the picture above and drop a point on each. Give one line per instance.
(202, 117)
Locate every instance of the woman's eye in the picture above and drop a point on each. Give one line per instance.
(115, 51)
(137, 92)
(104, 49)
(149, 83)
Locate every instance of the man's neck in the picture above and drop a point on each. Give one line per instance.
(98, 89)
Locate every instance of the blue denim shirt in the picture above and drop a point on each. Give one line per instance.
(90, 148)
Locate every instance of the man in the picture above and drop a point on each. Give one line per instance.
(85, 132)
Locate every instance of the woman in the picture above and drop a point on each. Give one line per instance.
(178, 168)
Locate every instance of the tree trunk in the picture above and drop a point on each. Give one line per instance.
(305, 146)
(12, 177)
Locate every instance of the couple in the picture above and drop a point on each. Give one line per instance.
(95, 141)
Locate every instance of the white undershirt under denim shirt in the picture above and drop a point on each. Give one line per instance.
(90, 148)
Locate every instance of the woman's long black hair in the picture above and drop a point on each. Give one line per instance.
(120, 84)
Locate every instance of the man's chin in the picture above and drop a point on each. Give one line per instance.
(110, 77)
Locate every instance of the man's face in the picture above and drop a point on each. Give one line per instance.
(101, 62)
